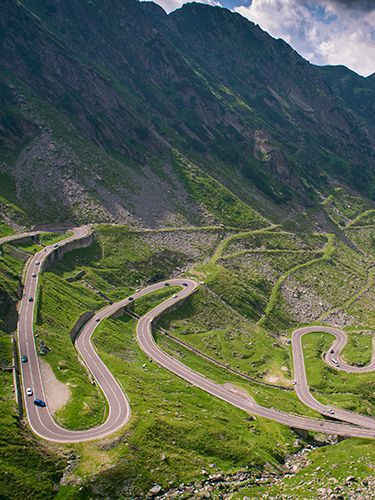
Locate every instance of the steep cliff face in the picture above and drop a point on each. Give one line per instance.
(283, 88)
(356, 91)
(99, 101)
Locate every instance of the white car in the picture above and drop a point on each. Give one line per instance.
(29, 391)
(331, 412)
(175, 296)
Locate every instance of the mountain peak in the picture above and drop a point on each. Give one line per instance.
(139, 87)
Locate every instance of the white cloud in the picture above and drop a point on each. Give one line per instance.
(323, 31)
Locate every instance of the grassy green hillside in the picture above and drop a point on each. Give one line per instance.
(198, 146)
(259, 283)
(326, 472)
(28, 467)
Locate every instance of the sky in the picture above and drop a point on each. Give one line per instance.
(322, 31)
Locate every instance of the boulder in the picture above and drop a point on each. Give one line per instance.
(155, 490)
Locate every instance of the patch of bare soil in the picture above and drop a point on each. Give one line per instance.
(57, 393)
(238, 391)
(277, 379)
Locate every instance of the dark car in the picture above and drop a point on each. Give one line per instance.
(184, 284)
(39, 402)
(34, 275)
(131, 298)
(31, 299)
(24, 359)
(166, 284)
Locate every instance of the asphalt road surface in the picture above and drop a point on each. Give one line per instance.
(43, 424)
(302, 387)
(40, 419)
(19, 236)
(365, 426)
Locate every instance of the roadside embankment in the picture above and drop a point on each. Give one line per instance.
(62, 249)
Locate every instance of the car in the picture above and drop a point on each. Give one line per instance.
(331, 351)
(56, 246)
(294, 382)
(166, 284)
(39, 402)
(331, 412)
(185, 284)
(37, 263)
(131, 298)
(34, 275)
(31, 299)
(97, 320)
(335, 362)
(175, 296)
(29, 391)
(137, 290)
(24, 359)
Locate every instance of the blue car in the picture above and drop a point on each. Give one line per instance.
(39, 402)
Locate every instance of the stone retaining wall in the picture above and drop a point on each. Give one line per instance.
(62, 249)
(128, 307)
(79, 324)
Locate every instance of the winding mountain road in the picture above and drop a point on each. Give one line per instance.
(333, 359)
(19, 236)
(43, 424)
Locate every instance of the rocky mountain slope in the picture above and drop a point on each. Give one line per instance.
(119, 113)
(356, 91)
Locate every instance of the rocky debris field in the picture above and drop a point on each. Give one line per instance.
(196, 245)
(302, 302)
(217, 484)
